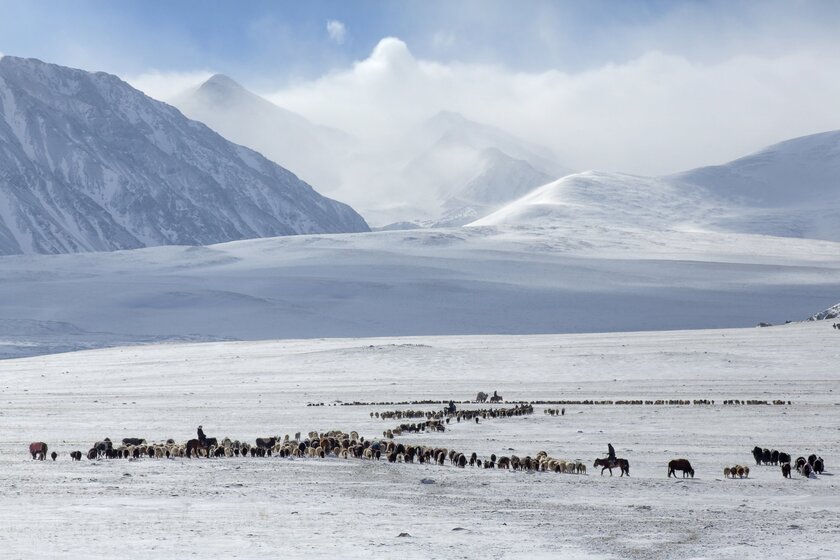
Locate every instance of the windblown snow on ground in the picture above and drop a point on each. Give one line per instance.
(304, 508)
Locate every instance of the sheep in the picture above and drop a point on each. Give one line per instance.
(785, 470)
(726, 471)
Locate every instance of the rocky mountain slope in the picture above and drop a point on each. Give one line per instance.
(87, 163)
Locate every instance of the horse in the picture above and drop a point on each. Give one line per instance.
(605, 464)
(38, 450)
(195, 445)
(496, 397)
(680, 465)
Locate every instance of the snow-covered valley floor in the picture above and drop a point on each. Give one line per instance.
(570, 278)
(252, 507)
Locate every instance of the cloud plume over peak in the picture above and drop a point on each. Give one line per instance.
(656, 113)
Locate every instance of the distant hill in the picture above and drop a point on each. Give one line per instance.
(790, 189)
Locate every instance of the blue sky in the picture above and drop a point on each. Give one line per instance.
(270, 42)
(643, 86)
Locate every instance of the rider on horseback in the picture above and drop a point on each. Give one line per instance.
(201, 437)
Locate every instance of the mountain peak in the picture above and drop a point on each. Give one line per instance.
(221, 81)
(451, 117)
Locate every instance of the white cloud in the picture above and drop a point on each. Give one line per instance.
(654, 114)
(336, 31)
(444, 40)
(165, 85)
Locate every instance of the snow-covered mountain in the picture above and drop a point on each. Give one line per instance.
(790, 189)
(469, 169)
(310, 151)
(501, 179)
(447, 171)
(87, 163)
(832, 312)
(448, 129)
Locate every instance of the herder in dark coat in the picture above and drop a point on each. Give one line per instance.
(611, 453)
(201, 437)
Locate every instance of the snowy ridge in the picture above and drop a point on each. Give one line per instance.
(603, 199)
(788, 189)
(832, 312)
(88, 163)
(791, 189)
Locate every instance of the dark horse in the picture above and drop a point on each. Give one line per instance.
(38, 450)
(680, 465)
(605, 464)
(194, 446)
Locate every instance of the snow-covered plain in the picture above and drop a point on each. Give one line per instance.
(349, 508)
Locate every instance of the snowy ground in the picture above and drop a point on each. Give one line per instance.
(583, 276)
(316, 508)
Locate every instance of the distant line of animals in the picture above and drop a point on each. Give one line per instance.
(587, 402)
(435, 420)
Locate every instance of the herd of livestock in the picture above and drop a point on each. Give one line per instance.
(350, 445)
(813, 465)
